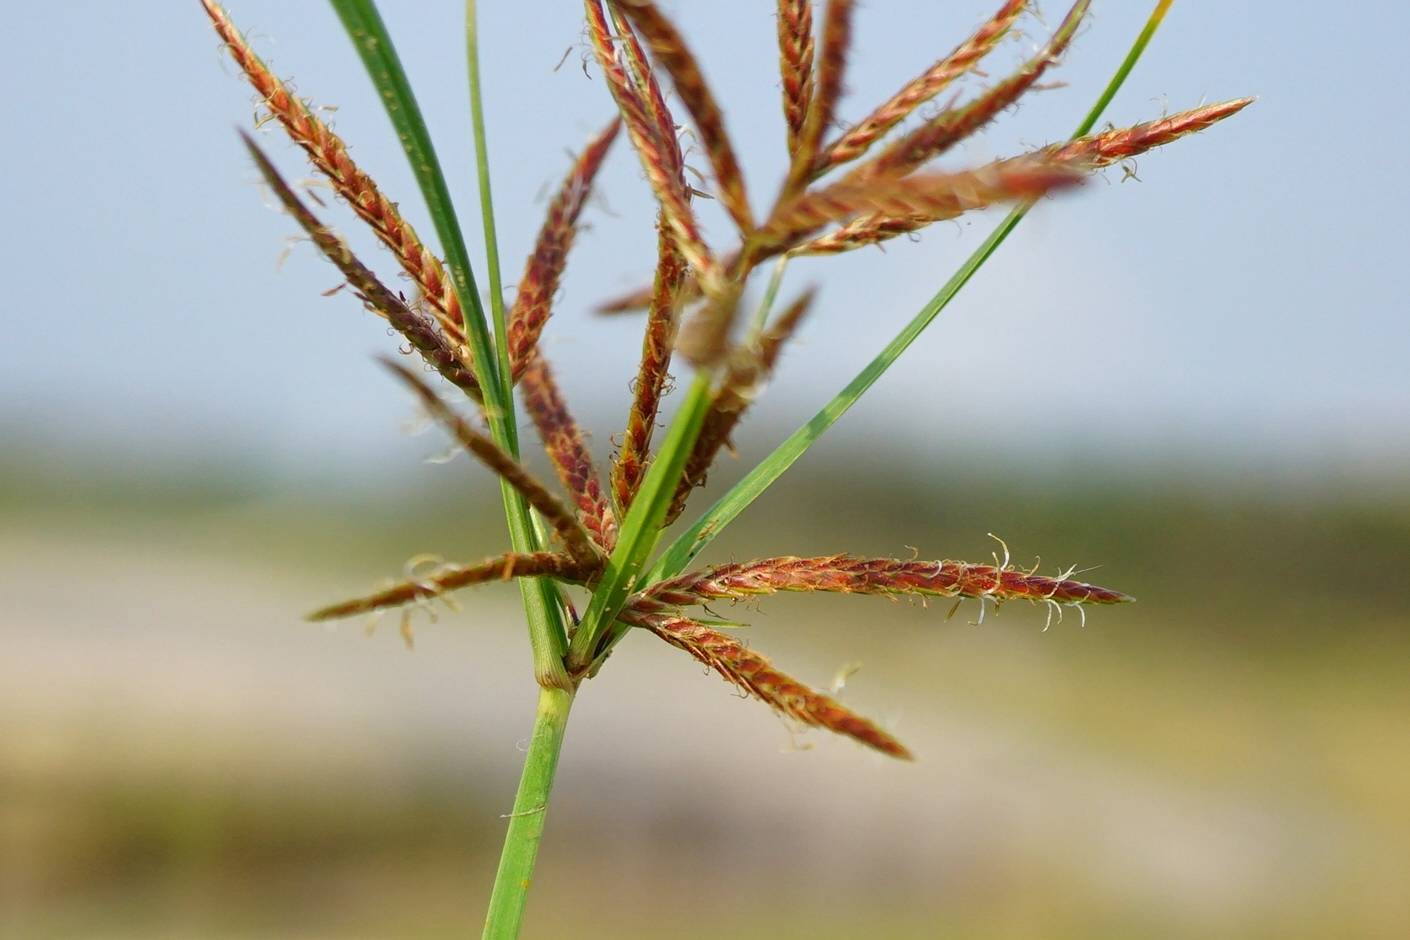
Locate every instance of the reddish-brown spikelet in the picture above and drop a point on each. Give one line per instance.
(451, 577)
(655, 154)
(795, 64)
(754, 674)
(542, 272)
(1092, 152)
(949, 127)
(651, 376)
(846, 574)
(329, 154)
(827, 89)
(858, 233)
(649, 91)
(669, 48)
(936, 196)
(856, 140)
(418, 330)
(563, 441)
(575, 538)
(1110, 147)
(748, 371)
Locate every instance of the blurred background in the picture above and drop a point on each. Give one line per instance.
(1195, 381)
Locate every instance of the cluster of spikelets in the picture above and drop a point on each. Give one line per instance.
(692, 305)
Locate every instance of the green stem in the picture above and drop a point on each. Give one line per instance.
(526, 822)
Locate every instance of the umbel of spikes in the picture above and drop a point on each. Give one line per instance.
(849, 184)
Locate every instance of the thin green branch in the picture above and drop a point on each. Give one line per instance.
(482, 173)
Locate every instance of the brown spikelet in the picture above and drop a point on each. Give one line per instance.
(754, 674)
(846, 574)
(827, 89)
(935, 196)
(329, 154)
(655, 154)
(795, 64)
(542, 272)
(857, 139)
(949, 127)
(860, 232)
(1110, 147)
(451, 577)
(651, 376)
(575, 538)
(670, 50)
(649, 91)
(563, 441)
(418, 330)
(748, 371)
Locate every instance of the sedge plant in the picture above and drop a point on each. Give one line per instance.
(599, 536)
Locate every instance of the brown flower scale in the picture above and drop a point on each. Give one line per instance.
(878, 198)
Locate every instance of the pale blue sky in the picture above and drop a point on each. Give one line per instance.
(1247, 297)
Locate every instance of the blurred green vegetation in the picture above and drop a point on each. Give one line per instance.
(1265, 659)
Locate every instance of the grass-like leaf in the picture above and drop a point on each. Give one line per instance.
(379, 56)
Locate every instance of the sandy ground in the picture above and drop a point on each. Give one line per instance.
(137, 660)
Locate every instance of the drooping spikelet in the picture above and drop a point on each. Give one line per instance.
(795, 64)
(652, 374)
(847, 574)
(948, 128)
(329, 154)
(748, 371)
(754, 674)
(575, 538)
(452, 577)
(418, 330)
(857, 139)
(670, 50)
(542, 272)
(563, 441)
